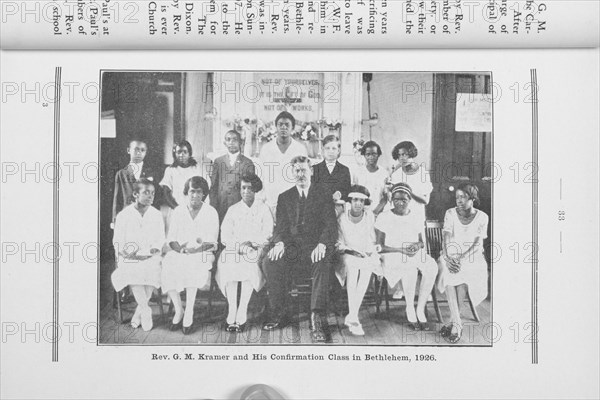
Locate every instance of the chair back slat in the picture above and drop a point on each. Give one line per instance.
(433, 237)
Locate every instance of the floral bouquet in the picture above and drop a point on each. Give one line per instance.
(357, 145)
(307, 131)
(265, 132)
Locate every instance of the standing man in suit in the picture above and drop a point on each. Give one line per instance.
(304, 238)
(226, 175)
(126, 178)
(331, 174)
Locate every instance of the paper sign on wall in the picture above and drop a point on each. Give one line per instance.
(473, 112)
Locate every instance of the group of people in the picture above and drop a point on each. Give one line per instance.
(299, 221)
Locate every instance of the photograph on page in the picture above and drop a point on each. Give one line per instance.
(295, 208)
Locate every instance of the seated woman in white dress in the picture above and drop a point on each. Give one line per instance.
(462, 260)
(359, 257)
(399, 232)
(246, 229)
(192, 237)
(138, 238)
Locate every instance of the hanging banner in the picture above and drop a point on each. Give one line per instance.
(473, 112)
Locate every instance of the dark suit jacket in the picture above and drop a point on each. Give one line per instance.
(338, 180)
(124, 180)
(320, 223)
(225, 181)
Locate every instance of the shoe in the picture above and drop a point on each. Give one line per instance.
(445, 331)
(278, 323)
(175, 327)
(357, 330)
(455, 337)
(424, 326)
(136, 320)
(240, 328)
(316, 327)
(147, 318)
(415, 326)
(350, 322)
(188, 329)
(232, 327)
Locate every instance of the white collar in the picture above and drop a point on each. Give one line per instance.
(233, 156)
(305, 190)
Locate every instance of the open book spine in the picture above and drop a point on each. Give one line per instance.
(228, 24)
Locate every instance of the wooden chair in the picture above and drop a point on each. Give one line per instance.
(434, 238)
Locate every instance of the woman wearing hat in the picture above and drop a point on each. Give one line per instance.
(359, 253)
(399, 233)
(462, 260)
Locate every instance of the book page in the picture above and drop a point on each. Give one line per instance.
(282, 24)
(520, 125)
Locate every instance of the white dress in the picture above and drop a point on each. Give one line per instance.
(190, 270)
(373, 181)
(242, 224)
(134, 231)
(360, 237)
(275, 170)
(420, 184)
(399, 231)
(474, 269)
(175, 178)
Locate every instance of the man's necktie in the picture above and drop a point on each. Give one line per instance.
(301, 204)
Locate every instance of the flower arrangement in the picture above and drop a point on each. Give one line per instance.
(332, 124)
(357, 145)
(307, 131)
(267, 131)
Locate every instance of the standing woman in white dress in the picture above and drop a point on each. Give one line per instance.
(176, 175)
(415, 176)
(462, 260)
(372, 176)
(359, 253)
(192, 239)
(246, 229)
(400, 234)
(138, 239)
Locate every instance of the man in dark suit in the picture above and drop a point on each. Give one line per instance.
(125, 178)
(226, 174)
(304, 238)
(331, 174)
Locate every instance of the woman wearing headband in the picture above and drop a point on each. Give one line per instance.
(356, 244)
(400, 235)
(462, 260)
(409, 172)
